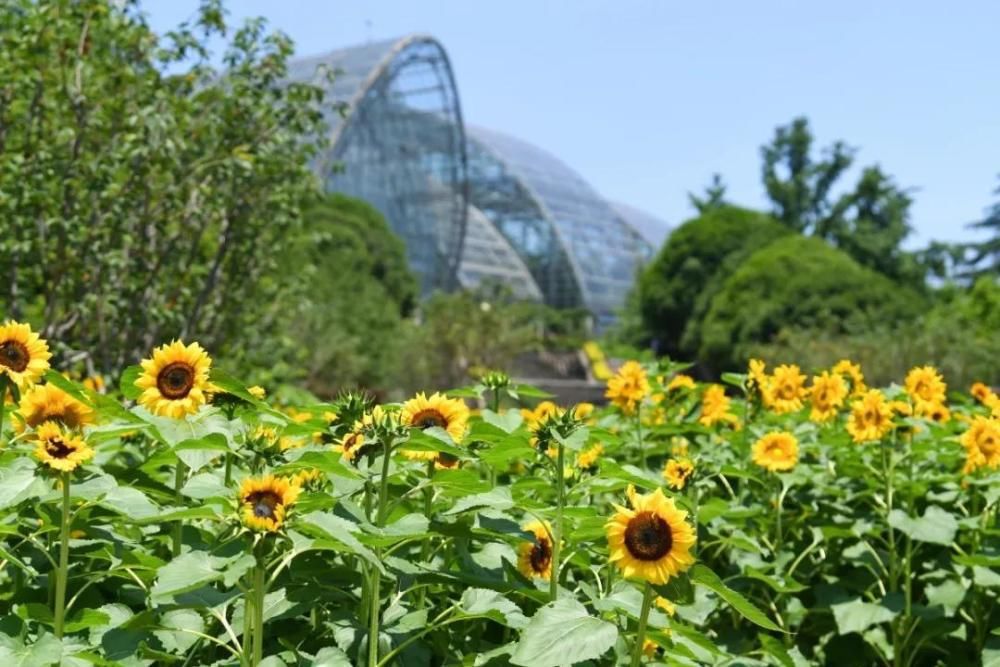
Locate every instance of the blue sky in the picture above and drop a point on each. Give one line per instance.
(647, 98)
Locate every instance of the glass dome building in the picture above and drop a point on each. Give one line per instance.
(472, 205)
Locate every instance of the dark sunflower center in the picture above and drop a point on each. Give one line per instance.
(58, 449)
(176, 380)
(541, 555)
(787, 392)
(351, 441)
(14, 355)
(648, 537)
(429, 418)
(988, 445)
(446, 460)
(263, 503)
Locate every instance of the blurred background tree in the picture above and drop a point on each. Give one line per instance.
(142, 193)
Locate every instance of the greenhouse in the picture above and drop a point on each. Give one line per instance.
(472, 205)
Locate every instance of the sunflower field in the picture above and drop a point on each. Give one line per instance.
(773, 518)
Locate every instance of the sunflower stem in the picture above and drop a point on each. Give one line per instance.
(259, 591)
(558, 529)
(61, 572)
(4, 380)
(638, 431)
(179, 474)
(425, 548)
(640, 637)
(229, 468)
(376, 602)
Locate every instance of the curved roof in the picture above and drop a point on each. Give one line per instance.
(488, 257)
(601, 251)
(398, 141)
(649, 227)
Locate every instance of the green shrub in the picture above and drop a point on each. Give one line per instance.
(677, 286)
(357, 290)
(957, 336)
(798, 282)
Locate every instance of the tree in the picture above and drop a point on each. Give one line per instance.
(869, 221)
(343, 324)
(139, 205)
(984, 257)
(800, 186)
(714, 197)
(798, 283)
(674, 288)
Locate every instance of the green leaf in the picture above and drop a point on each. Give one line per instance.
(776, 650)
(126, 385)
(185, 573)
(936, 526)
(701, 574)
(331, 656)
(343, 531)
(178, 625)
(325, 461)
(531, 391)
(206, 485)
(18, 482)
(68, 386)
(46, 650)
(506, 421)
(949, 594)
(858, 615)
(493, 605)
(133, 503)
(498, 499)
(563, 633)
(779, 585)
(198, 453)
(434, 440)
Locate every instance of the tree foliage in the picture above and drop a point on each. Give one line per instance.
(798, 282)
(983, 258)
(868, 221)
(675, 288)
(138, 204)
(355, 292)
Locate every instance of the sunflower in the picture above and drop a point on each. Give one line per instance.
(925, 386)
(852, 373)
(649, 648)
(534, 558)
(871, 417)
(257, 392)
(305, 477)
(24, 356)
(758, 380)
(677, 472)
(352, 442)
(542, 411)
(776, 451)
(47, 402)
(826, 395)
(583, 410)
(265, 501)
(668, 607)
(787, 388)
(629, 386)
(715, 406)
(94, 383)
(175, 380)
(981, 392)
(651, 541)
(937, 412)
(588, 457)
(59, 450)
(422, 412)
(680, 381)
(982, 444)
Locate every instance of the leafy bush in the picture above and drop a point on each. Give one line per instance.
(798, 281)
(139, 205)
(343, 327)
(957, 335)
(678, 285)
